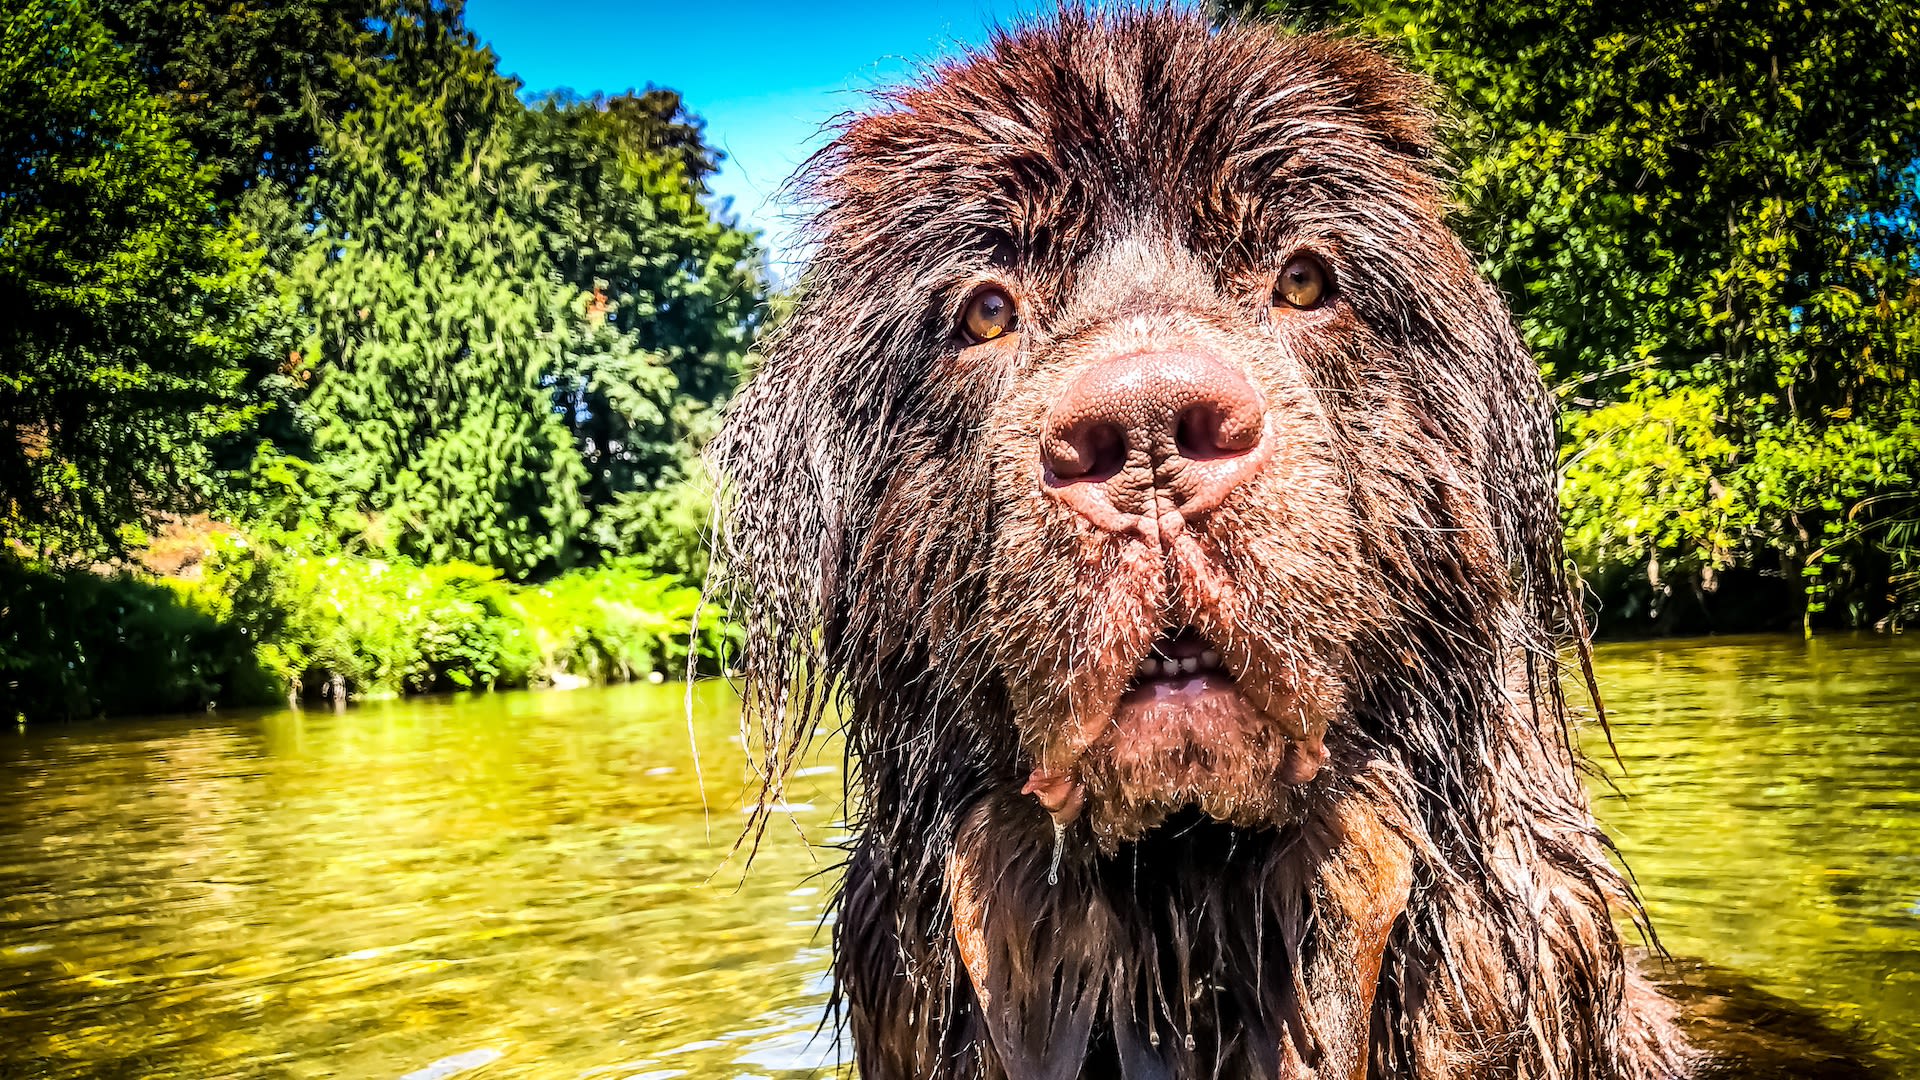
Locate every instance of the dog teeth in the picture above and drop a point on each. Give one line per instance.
(1153, 666)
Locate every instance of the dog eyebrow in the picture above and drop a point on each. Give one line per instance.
(979, 202)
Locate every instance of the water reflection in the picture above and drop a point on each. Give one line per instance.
(527, 885)
(524, 882)
(1770, 808)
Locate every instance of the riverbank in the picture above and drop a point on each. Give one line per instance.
(230, 619)
(246, 622)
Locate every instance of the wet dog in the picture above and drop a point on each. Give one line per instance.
(1153, 488)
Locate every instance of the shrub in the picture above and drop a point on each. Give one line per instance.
(340, 623)
(81, 644)
(1659, 495)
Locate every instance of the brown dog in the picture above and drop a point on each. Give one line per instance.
(1169, 507)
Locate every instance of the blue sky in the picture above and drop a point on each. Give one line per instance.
(764, 76)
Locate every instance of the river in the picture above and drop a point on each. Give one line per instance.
(545, 885)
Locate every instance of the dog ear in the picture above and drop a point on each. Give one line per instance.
(777, 544)
(1386, 99)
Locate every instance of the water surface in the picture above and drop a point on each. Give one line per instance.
(1770, 809)
(527, 885)
(518, 884)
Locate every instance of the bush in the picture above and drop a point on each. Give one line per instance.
(267, 621)
(81, 644)
(338, 623)
(614, 623)
(1817, 522)
(1645, 498)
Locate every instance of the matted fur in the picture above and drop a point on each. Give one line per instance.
(1136, 178)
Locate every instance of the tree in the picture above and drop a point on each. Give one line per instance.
(435, 323)
(125, 298)
(249, 80)
(1710, 205)
(673, 289)
(252, 86)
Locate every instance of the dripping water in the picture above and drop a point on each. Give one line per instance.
(1059, 849)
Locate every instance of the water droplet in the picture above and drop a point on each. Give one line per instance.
(1059, 849)
(1189, 1042)
(1153, 1038)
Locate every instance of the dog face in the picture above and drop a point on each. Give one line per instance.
(1138, 387)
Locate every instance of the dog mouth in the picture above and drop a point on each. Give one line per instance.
(1185, 731)
(1183, 705)
(1180, 664)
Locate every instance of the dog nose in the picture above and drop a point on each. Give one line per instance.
(1147, 434)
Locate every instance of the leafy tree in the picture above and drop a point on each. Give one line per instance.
(252, 86)
(124, 297)
(463, 327)
(1704, 216)
(249, 80)
(673, 297)
(436, 325)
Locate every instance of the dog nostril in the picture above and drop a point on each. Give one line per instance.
(1197, 436)
(1202, 433)
(1095, 452)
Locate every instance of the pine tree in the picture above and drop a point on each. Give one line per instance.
(436, 323)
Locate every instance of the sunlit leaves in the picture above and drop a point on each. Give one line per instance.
(125, 300)
(1715, 204)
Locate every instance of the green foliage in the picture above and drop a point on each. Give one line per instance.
(126, 303)
(670, 300)
(337, 623)
(260, 621)
(316, 267)
(1840, 500)
(434, 327)
(247, 79)
(666, 529)
(78, 644)
(368, 626)
(1656, 490)
(1715, 204)
(477, 330)
(517, 320)
(623, 221)
(618, 622)
(1642, 482)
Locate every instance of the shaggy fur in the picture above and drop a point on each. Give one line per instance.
(1437, 902)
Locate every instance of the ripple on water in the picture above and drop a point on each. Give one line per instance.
(1770, 808)
(413, 886)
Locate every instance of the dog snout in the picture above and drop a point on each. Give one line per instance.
(1149, 434)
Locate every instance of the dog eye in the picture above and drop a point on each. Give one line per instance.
(1304, 282)
(988, 314)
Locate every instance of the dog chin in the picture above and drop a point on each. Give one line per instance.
(1190, 740)
(1183, 731)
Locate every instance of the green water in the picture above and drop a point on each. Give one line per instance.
(527, 885)
(1771, 810)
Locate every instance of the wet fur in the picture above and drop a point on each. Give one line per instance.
(1135, 177)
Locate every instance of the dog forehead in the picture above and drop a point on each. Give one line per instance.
(1064, 135)
(1141, 267)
